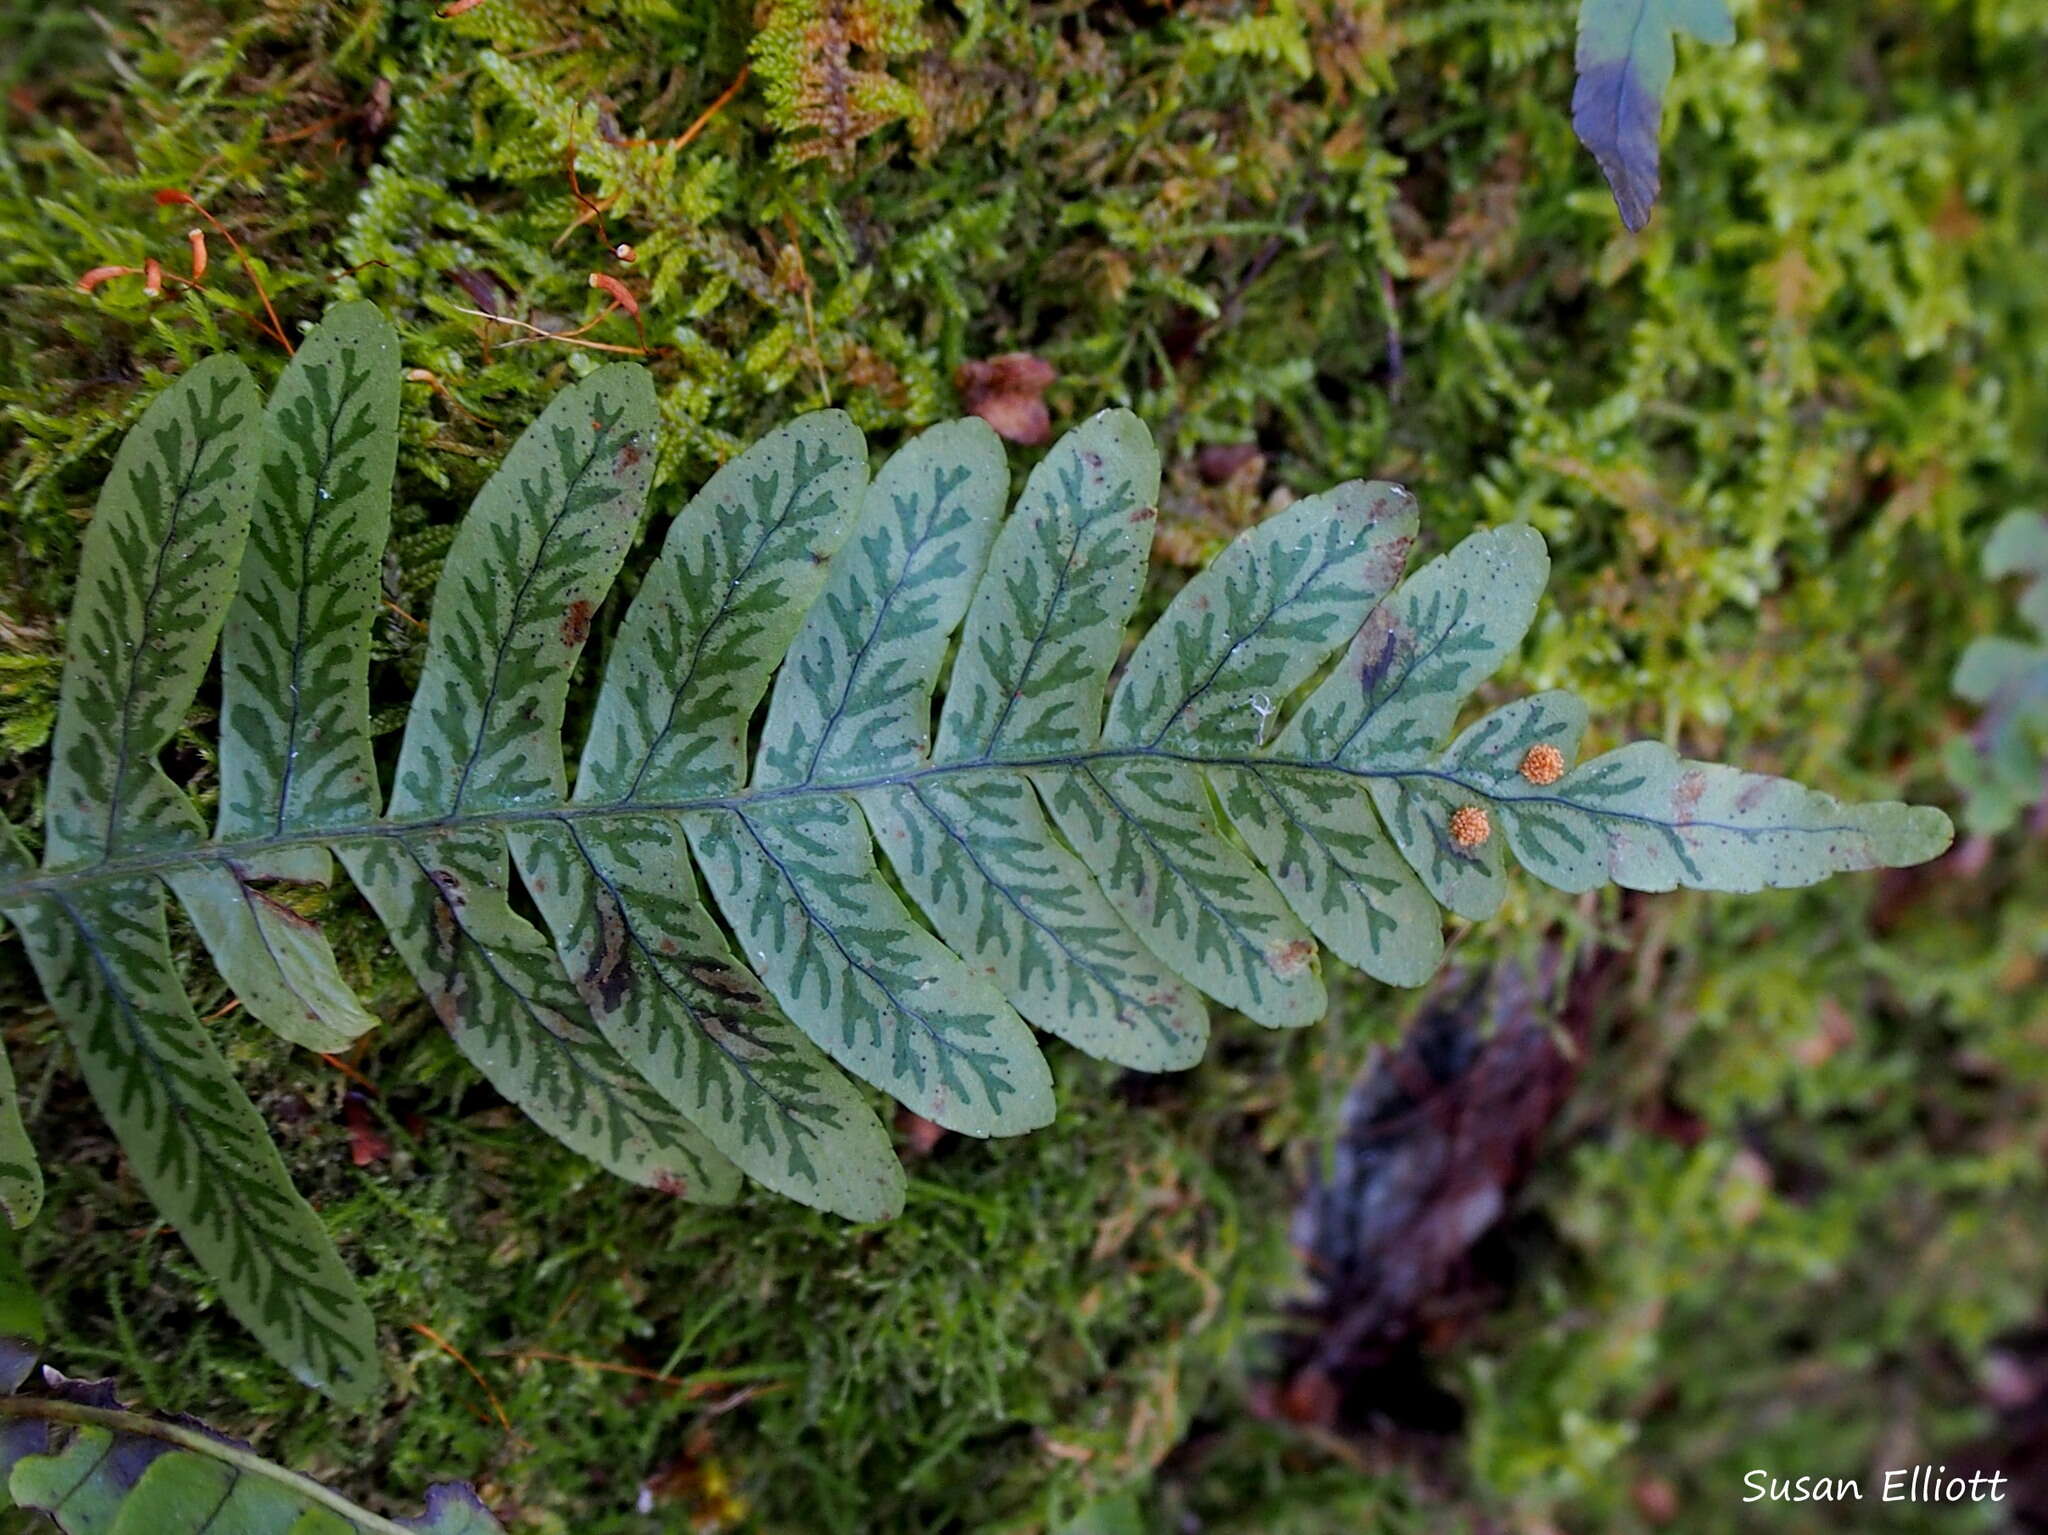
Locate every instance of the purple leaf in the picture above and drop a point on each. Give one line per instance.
(1625, 61)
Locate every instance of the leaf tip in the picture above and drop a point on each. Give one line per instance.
(17, 1360)
(1618, 121)
(1915, 834)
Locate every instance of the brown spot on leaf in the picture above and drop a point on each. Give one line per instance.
(1392, 560)
(668, 1182)
(1685, 794)
(609, 975)
(576, 622)
(1295, 956)
(447, 926)
(1381, 641)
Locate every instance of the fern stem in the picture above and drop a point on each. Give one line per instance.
(250, 850)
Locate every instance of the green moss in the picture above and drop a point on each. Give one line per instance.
(1764, 440)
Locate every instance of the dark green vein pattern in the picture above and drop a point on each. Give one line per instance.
(153, 586)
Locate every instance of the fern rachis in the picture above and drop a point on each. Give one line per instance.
(1084, 860)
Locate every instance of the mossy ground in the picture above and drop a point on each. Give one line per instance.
(1799, 1188)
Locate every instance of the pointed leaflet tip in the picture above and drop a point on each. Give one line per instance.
(1646, 819)
(1625, 59)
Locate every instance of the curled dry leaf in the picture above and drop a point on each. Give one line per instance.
(1008, 392)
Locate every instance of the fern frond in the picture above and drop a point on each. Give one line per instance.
(1275, 770)
(2002, 765)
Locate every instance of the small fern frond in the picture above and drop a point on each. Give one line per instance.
(1275, 770)
(2002, 765)
(70, 1450)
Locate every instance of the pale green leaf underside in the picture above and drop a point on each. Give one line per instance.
(195, 1141)
(153, 587)
(21, 1174)
(514, 607)
(1056, 853)
(742, 565)
(1034, 658)
(295, 717)
(1012, 900)
(798, 880)
(499, 990)
(663, 988)
(275, 960)
(295, 728)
